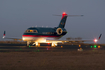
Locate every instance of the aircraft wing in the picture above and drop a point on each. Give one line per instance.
(70, 41)
(10, 38)
(13, 38)
(75, 41)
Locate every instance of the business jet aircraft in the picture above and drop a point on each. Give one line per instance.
(37, 35)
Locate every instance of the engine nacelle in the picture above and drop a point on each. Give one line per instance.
(59, 31)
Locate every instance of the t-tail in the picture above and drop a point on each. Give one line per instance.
(63, 20)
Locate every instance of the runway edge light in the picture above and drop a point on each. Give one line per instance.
(95, 46)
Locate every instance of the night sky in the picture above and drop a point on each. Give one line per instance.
(18, 15)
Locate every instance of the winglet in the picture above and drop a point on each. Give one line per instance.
(99, 36)
(4, 34)
(95, 40)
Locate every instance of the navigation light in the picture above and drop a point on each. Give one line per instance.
(95, 40)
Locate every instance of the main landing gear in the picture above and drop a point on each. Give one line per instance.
(36, 44)
(53, 44)
(28, 43)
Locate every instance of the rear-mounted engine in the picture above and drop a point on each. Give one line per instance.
(59, 31)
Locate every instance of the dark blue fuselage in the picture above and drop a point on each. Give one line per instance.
(44, 32)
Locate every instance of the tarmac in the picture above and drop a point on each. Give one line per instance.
(45, 57)
(47, 48)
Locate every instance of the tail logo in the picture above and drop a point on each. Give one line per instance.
(62, 24)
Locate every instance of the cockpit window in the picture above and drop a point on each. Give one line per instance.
(31, 31)
(27, 30)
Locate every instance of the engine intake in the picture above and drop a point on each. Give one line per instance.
(59, 31)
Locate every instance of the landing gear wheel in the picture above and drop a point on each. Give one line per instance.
(28, 44)
(54, 44)
(37, 44)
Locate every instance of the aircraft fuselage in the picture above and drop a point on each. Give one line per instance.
(40, 34)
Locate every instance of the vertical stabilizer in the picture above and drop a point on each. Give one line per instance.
(63, 20)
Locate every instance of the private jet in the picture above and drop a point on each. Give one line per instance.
(37, 35)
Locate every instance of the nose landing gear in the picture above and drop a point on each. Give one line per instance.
(54, 44)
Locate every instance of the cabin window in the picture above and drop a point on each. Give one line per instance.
(48, 33)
